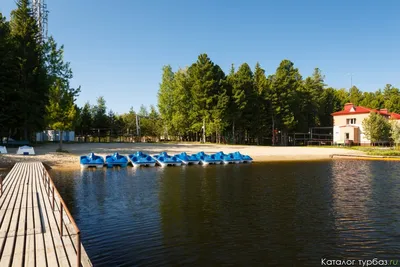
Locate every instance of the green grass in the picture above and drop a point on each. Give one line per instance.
(378, 151)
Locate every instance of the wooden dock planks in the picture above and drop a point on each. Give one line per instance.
(29, 227)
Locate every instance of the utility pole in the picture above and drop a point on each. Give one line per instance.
(137, 126)
(204, 130)
(351, 79)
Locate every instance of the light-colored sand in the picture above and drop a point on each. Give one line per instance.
(46, 154)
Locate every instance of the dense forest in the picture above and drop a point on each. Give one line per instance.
(246, 105)
(242, 107)
(34, 79)
(194, 103)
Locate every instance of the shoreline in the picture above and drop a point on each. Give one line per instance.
(365, 157)
(46, 153)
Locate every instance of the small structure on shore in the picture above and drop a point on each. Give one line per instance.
(25, 150)
(3, 150)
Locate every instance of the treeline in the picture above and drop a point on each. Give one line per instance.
(245, 105)
(34, 79)
(95, 122)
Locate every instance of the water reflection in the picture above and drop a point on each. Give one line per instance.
(277, 214)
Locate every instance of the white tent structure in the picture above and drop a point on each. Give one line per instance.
(3, 150)
(25, 150)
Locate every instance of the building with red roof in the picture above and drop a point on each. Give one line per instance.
(347, 123)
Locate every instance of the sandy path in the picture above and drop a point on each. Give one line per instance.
(46, 154)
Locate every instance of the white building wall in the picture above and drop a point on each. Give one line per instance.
(336, 134)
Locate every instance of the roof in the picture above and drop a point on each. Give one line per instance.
(351, 109)
(395, 116)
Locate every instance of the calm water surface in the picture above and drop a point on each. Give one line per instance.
(275, 214)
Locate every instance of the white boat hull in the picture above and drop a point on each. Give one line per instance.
(231, 161)
(210, 163)
(189, 162)
(86, 166)
(135, 164)
(163, 164)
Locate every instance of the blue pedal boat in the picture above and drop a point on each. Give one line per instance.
(227, 158)
(242, 158)
(141, 159)
(91, 160)
(165, 160)
(116, 160)
(208, 159)
(186, 159)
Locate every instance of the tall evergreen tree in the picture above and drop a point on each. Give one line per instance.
(9, 96)
(32, 84)
(99, 114)
(261, 120)
(355, 95)
(205, 79)
(61, 110)
(243, 97)
(182, 104)
(165, 96)
(310, 99)
(85, 120)
(285, 84)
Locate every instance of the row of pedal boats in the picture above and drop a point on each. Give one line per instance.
(163, 159)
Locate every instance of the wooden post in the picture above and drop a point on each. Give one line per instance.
(53, 198)
(78, 248)
(61, 219)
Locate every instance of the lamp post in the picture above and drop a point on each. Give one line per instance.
(280, 136)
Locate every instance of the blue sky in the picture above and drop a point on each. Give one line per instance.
(117, 48)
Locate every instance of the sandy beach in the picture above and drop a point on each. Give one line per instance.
(46, 153)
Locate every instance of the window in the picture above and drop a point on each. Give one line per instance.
(351, 121)
(347, 136)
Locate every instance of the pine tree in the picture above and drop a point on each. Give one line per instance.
(60, 111)
(261, 120)
(181, 94)
(165, 97)
(284, 97)
(9, 96)
(205, 79)
(85, 119)
(32, 83)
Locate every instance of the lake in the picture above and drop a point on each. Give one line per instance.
(264, 214)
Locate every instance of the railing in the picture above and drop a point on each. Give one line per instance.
(51, 190)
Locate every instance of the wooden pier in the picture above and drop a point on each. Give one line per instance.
(36, 227)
